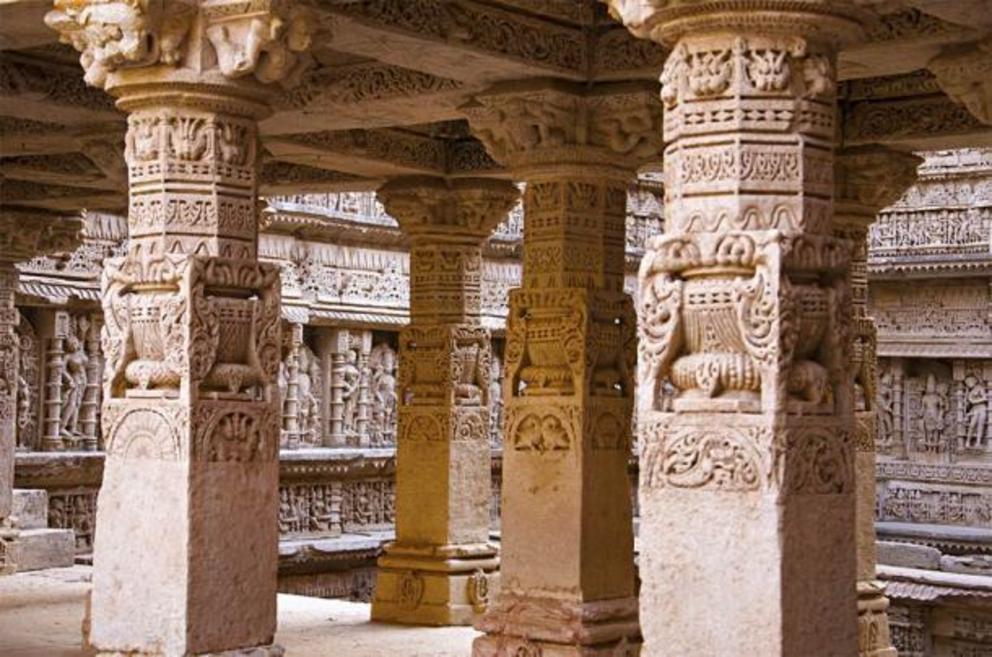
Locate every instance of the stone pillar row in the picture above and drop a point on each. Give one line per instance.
(567, 578)
(24, 234)
(441, 568)
(747, 486)
(186, 557)
(867, 179)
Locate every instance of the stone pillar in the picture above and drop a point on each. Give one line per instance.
(291, 403)
(90, 414)
(441, 567)
(747, 485)
(567, 576)
(51, 440)
(867, 180)
(185, 559)
(23, 235)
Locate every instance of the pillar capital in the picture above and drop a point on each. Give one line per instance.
(25, 234)
(965, 74)
(430, 209)
(136, 49)
(868, 179)
(668, 21)
(539, 127)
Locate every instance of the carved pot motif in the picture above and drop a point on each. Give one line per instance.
(467, 364)
(157, 336)
(235, 367)
(814, 313)
(718, 360)
(547, 371)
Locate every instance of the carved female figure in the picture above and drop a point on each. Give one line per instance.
(885, 410)
(74, 384)
(383, 365)
(977, 413)
(350, 378)
(933, 407)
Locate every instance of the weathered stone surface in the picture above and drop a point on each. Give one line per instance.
(908, 555)
(36, 549)
(30, 508)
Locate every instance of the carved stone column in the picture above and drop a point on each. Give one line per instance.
(23, 235)
(441, 567)
(867, 180)
(291, 402)
(185, 559)
(567, 537)
(747, 484)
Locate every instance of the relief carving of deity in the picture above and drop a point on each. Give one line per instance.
(885, 411)
(976, 416)
(309, 377)
(496, 403)
(382, 365)
(74, 380)
(351, 378)
(933, 406)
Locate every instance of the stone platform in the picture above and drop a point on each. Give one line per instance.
(41, 614)
(37, 546)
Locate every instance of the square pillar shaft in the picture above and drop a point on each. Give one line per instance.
(747, 481)
(442, 567)
(567, 585)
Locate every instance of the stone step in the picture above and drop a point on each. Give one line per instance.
(30, 508)
(36, 549)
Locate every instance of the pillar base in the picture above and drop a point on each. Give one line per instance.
(874, 635)
(441, 586)
(545, 627)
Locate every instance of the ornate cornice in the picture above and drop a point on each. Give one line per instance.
(462, 209)
(548, 124)
(965, 74)
(25, 234)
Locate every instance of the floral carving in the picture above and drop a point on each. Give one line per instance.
(722, 459)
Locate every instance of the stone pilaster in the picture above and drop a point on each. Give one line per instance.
(747, 485)
(185, 560)
(23, 235)
(867, 180)
(567, 574)
(442, 567)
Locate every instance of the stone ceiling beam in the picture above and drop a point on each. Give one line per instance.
(366, 95)
(369, 153)
(384, 153)
(901, 42)
(465, 40)
(33, 90)
(278, 177)
(929, 122)
(59, 197)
